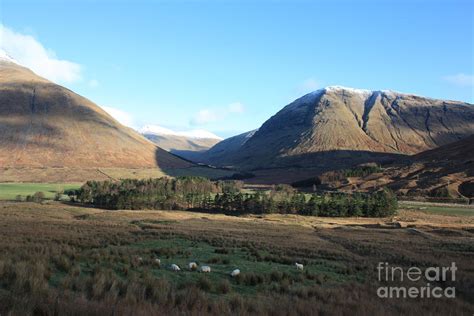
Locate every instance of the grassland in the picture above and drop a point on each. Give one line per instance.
(75, 175)
(9, 191)
(60, 259)
(27, 181)
(441, 209)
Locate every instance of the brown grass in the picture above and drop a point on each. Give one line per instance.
(59, 259)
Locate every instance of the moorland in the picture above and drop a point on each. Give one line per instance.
(68, 259)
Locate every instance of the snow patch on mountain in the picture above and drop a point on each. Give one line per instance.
(351, 90)
(5, 57)
(159, 130)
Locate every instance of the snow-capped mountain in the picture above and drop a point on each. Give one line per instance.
(326, 127)
(182, 143)
(5, 57)
(194, 134)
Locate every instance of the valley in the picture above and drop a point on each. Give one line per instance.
(82, 259)
(221, 169)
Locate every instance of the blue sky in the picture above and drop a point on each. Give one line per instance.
(227, 66)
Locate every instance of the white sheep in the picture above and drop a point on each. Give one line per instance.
(158, 262)
(206, 269)
(192, 266)
(175, 267)
(299, 266)
(235, 273)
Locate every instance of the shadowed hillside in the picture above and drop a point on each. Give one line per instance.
(444, 172)
(45, 125)
(222, 152)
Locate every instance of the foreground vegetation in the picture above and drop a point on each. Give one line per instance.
(57, 259)
(187, 193)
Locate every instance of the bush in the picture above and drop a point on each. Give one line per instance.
(218, 260)
(204, 284)
(224, 287)
(362, 171)
(251, 279)
(58, 195)
(38, 197)
(222, 251)
(62, 263)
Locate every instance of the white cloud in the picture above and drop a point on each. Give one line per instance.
(32, 54)
(206, 116)
(123, 117)
(460, 79)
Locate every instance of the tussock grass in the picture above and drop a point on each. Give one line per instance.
(59, 259)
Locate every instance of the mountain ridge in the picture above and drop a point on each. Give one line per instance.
(338, 119)
(43, 124)
(161, 131)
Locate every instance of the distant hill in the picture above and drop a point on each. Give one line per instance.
(337, 127)
(184, 144)
(45, 125)
(447, 169)
(222, 153)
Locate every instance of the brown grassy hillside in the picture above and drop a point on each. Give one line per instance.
(336, 127)
(45, 125)
(447, 171)
(185, 147)
(179, 143)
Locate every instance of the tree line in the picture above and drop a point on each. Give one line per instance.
(197, 193)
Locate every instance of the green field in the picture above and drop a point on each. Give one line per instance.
(9, 191)
(182, 251)
(439, 209)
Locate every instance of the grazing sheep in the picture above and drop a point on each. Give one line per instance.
(299, 266)
(206, 269)
(192, 266)
(235, 273)
(175, 267)
(157, 262)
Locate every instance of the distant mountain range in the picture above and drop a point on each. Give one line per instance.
(45, 125)
(191, 134)
(339, 127)
(223, 150)
(186, 144)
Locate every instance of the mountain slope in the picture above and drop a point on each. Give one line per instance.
(223, 151)
(173, 143)
(184, 144)
(342, 124)
(45, 125)
(454, 153)
(446, 171)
